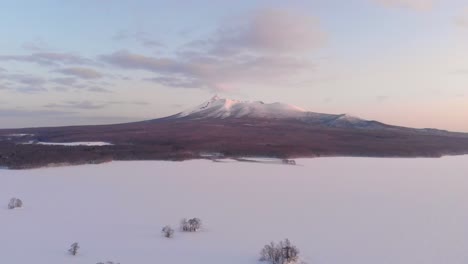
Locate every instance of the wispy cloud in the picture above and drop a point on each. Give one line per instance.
(30, 89)
(80, 72)
(36, 45)
(418, 5)
(23, 83)
(382, 98)
(177, 82)
(141, 37)
(462, 19)
(15, 112)
(267, 46)
(69, 81)
(269, 31)
(98, 89)
(25, 79)
(49, 58)
(128, 60)
(89, 105)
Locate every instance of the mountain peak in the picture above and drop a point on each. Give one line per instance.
(215, 98)
(222, 108)
(218, 107)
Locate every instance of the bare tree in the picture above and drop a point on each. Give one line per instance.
(191, 225)
(184, 225)
(167, 231)
(282, 253)
(74, 248)
(18, 203)
(15, 203)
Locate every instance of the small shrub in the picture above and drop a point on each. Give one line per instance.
(191, 225)
(15, 203)
(74, 248)
(282, 253)
(168, 232)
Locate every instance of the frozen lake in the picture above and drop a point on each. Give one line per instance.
(336, 210)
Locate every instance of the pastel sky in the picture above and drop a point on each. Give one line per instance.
(402, 62)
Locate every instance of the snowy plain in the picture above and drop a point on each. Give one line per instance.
(73, 144)
(336, 210)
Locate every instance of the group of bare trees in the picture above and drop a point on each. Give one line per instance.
(280, 253)
(274, 253)
(190, 225)
(15, 203)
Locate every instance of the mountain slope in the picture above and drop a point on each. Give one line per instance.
(230, 128)
(227, 108)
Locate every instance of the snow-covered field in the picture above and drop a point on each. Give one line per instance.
(71, 144)
(336, 210)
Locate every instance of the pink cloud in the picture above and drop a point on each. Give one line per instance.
(462, 19)
(272, 31)
(267, 47)
(418, 5)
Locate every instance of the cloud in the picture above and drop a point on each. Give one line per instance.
(30, 89)
(127, 60)
(271, 46)
(48, 58)
(418, 5)
(177, 82)
(141, 37)
(23, 83)
(382, 98)
(66, 84)
(15, 112)
(36, 45)
(2, 69)
(86, 105)
(89, 105)
(25, 79)
(84, 73)
(68, 81)
(206, 71)
(141, 103)
(270, 31)
(98, 89)
(462, 19)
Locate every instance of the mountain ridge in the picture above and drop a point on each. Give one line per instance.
(231, 128)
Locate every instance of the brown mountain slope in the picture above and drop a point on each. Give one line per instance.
(187, 138)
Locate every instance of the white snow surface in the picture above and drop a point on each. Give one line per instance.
(222, 108)
(92, 143)
(19, 135)
(336, 210)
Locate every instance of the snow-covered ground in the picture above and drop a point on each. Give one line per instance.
(71, 144)
(19, 135)
(336, 210)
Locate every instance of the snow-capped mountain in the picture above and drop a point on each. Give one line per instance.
(229, 128)
(222, 108)
(218, 107)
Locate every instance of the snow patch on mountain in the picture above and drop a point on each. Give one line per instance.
(223, 108)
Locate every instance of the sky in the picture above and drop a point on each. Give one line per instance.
(402, 62)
